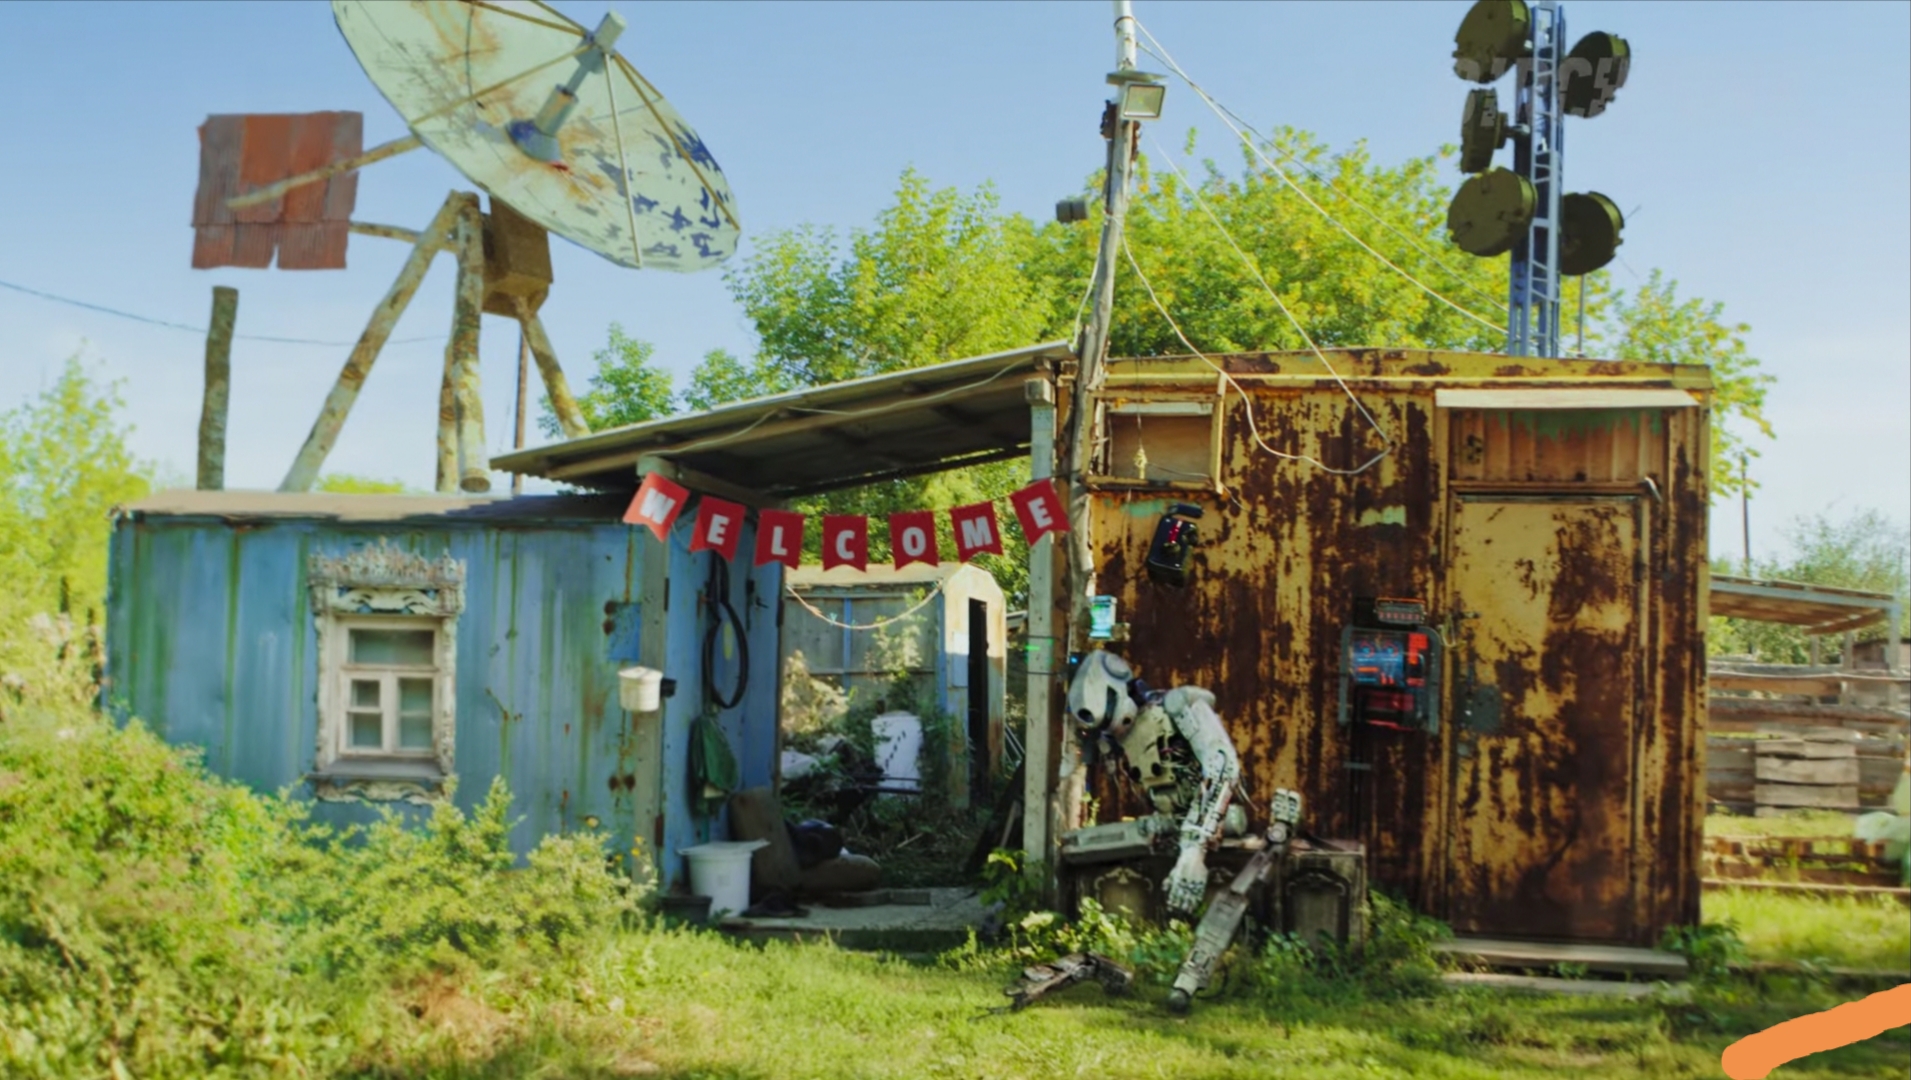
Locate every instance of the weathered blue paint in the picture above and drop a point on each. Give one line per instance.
(211, 642)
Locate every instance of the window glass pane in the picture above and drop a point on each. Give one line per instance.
(365, 693)
(414, 731)
(391, 647)
(414, 695)
(368, 731)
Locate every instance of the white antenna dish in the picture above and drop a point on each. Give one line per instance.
(543, 115)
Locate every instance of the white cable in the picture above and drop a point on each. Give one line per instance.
(1252, 268)
(1223, 114)
(1247, 402)
(933, 593)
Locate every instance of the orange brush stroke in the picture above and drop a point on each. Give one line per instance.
(1754, 1056)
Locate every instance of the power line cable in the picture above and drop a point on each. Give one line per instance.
(1254, 269)
(1225, 116)
(70, 302)
(1246, 401)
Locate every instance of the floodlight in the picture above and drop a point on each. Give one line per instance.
(1142, 101)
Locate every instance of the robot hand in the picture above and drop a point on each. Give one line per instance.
(1188, 881)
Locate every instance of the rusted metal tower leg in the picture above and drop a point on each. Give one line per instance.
(338, 403)
(474, 465)
(570, 418)
(212, 417)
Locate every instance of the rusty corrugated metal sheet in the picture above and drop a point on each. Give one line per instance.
(1578, 817)
(309, 226)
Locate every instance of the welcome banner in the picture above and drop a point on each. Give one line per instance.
(779, 533)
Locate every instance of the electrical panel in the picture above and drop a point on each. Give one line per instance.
(1390, 667)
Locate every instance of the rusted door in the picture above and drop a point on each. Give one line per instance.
(1547, 662)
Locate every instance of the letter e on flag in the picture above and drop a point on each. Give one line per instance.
(657, 505)
(719, 527)
(1039, 508)
(845, 541)
(779, 538)
(975, 530)
(912, 537)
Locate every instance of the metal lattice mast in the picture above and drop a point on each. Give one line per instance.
(1539, 155)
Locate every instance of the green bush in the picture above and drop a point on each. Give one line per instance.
(157, 922)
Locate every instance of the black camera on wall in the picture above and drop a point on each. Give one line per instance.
(1175, 537)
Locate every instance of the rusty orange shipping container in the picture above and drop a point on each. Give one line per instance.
(1550, 514)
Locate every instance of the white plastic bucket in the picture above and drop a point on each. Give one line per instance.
(899, 749)
(720, 870)
(640, 689)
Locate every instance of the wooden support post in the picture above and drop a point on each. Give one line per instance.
(524, 388)
(447, 432)
(1039, 772)
(218, 391)
(570, 418)
(474, 462)
(338, 403)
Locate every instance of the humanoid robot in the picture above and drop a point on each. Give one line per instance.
(1173, 745)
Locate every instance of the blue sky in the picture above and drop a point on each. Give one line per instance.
(1766, 148)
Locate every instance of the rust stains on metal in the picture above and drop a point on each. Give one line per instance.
(308, 226)
(1565, 588)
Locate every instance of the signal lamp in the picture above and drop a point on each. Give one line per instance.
(1589, 230)
(1593, 73)
(1491, 212)
(1482, 131)
(1495, 35)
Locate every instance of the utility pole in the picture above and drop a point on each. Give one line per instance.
(1122, 129)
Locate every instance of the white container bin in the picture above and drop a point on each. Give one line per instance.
(899, 749)
(720, 870)
(640, 689)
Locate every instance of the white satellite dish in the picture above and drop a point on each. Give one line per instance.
(566, 137)
(539, 112)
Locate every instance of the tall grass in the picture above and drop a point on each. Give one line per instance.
(1872, 933)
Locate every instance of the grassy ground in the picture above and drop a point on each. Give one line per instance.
(1791, 823)
(688, 1005)
(1858, 932)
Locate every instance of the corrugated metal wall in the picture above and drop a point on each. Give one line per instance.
(210, 640)
(1284, 554)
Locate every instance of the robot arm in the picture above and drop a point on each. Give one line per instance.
(1192, 710)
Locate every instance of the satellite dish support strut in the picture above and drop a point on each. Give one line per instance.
(463, 462)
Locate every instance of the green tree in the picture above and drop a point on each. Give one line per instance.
(64, 466)
(1863, 550)
(625, 389)
(349, 484)
(1654, 325)
(722, 379)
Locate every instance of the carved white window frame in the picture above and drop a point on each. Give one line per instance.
(366, 587)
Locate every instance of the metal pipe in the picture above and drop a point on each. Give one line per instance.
(218, 391)
(375, 154)
(570, 418)
(474, 464)
(338, 403)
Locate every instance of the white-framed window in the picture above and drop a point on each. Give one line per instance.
(387, 673)
(387, 689)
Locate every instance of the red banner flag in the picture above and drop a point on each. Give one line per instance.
(976, 530)
(845, 541)
(1039, 508)
(719, 527)
(779, 538)
(912, 537)
(657, 505)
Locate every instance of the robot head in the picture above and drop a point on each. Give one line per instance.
(1098, 696)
